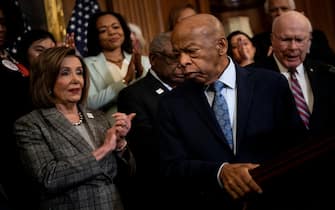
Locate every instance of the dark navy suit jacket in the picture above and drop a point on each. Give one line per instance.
(192, 144)
(142, 98)
(322, 81)
(314, 176)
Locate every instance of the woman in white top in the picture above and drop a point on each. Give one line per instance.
(112, 62)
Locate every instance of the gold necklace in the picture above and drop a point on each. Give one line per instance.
(115, 61)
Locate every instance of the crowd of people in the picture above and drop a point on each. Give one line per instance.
(186, 124)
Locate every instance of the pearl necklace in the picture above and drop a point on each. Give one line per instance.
(80, 120)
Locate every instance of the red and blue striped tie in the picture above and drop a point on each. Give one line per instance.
(299, 99)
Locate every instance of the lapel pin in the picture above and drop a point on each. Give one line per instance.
(89, 115)
(159, 91)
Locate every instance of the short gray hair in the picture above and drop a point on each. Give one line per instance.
(291, 3)
(159, 42)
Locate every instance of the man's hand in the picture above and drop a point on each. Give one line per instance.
(237, 181)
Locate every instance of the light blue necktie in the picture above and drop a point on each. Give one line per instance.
(220, 109)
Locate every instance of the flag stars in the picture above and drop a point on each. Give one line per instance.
(78, 23)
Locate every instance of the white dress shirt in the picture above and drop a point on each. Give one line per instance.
(303, 82)
(228, 77)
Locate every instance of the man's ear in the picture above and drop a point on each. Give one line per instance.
(221, 46)
(152, 57)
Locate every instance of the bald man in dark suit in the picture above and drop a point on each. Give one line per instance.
(142, 98)
(205, 172)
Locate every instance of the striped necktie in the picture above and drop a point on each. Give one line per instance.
(220, 109)
(299, 99)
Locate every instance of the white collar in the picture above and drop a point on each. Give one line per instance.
(228, 77)
(282, 69)
(153, 73)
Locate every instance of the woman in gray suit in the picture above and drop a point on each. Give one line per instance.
(69, 152)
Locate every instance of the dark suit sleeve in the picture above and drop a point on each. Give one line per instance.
(142, 137)
(186, 176)
(129, 102)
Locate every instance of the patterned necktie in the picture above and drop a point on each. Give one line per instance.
(220, 109)
(299, 99)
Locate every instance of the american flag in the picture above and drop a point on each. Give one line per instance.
(78, 23)
(26, 26)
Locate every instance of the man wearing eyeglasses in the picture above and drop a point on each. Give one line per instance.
(142, 98)
(291, 40)
(320, 49)
(313, 87)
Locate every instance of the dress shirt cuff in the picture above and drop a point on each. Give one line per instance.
(218, 174)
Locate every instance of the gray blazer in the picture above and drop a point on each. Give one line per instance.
(60, 162)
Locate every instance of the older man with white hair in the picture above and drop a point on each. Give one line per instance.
(320, 50)
(313, 86)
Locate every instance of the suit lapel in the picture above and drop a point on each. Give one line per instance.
(203, 108)
(157, 86)
(60, 123)
(91, 121)
(245, 90)
(311, 77)
(100, 67)
(317, 87)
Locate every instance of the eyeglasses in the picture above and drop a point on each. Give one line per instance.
(299, 41)
(169, 58)
(276, 9)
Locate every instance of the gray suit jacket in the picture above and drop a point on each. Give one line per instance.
(60, 162)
